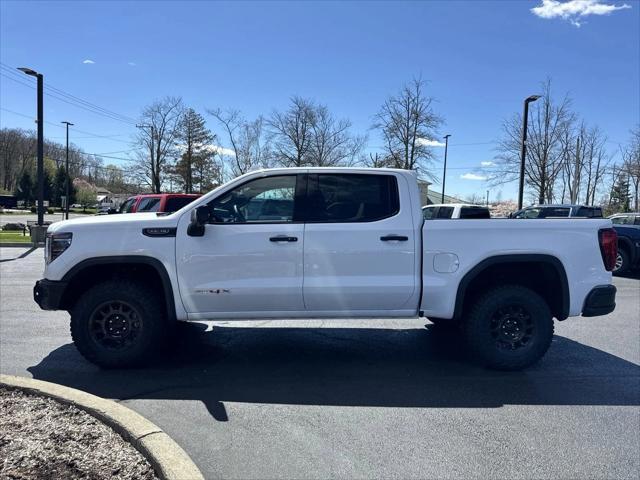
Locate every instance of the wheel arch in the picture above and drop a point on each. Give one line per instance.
(551, 282)
(92, 271)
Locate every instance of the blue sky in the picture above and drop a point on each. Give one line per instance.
(481, 59)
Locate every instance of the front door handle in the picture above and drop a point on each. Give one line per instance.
(399, 238)
(283, 238)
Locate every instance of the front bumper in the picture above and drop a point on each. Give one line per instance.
(48, 294)
(600, 301)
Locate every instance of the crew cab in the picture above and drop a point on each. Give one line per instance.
(160, 202)
(323, 243)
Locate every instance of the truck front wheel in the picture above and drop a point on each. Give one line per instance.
(118, 324)
(509, 327)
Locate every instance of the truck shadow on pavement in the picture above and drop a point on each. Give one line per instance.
(349, 367)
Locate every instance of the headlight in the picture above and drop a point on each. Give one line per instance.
(55, 245)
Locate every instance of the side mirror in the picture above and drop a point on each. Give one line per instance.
(199, 218)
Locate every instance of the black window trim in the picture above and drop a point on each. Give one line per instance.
(395, 185)
(300, 199)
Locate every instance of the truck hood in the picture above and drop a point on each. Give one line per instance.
(114, 222)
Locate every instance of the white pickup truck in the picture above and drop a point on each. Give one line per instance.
(331, 243)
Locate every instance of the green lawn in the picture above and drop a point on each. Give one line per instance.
(14, 237)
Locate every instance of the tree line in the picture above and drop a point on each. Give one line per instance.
(567, 159)
(176, 146)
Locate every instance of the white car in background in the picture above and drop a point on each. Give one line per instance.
(454, 210)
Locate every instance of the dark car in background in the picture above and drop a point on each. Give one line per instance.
(558, 211)
(160, 202)
(628, 247)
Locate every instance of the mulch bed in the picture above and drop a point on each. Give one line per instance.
(42, 438)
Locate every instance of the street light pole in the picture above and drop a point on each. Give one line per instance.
(66, 168)
(444, 174)
(523, 152)
(40, 122)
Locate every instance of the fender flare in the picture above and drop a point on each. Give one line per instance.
(156, 264)
(515, 258)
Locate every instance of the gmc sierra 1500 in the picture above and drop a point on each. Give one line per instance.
(314, 242)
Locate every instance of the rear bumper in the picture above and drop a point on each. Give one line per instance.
(600, 301)
(48, 294)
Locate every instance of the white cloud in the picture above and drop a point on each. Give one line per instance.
(430, 143)
(132, 64)
(223, 151)
(211, 148)
(575, 10)
(472, 176)
(487, 164)
(88, 62)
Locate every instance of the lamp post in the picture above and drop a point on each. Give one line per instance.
(40, 122)
(523, 153)
(66, 168)
(444, 174)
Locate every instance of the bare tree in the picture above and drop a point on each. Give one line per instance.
(331, 142)
(292, 133)
(631, 159)
(247, 141)
(546, 150)
(406, 123)
(157, 135)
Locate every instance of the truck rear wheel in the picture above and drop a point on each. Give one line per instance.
(118, 324)
(509, 327)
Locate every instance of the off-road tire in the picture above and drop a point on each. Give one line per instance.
(150, 316)
(487, 342)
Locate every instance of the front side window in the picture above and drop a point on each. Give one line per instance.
(351, 198)
(428, 212)
(149, 204)
(173, 204)
(264, 200)
(127, 206)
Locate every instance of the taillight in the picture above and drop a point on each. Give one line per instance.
(608, 239)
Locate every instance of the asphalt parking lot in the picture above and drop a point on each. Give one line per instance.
(360, 399)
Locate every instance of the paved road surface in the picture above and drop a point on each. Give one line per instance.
(389, 398)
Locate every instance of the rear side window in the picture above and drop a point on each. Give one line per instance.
(445, 212)
(351, 198)
(151, 204)
(589, 212)
(555, 212)
(474, 212)
(173, 204)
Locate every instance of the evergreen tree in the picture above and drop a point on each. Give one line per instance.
(60, 187)
(196, 141)
(620, 195)
(25, 188)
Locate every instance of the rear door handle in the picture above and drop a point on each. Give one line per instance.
(399, 238)
(283, 238)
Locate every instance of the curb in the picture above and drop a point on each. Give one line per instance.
(167, 458)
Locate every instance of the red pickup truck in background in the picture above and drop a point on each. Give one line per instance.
(158, 202)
